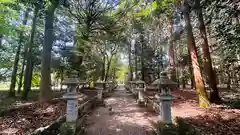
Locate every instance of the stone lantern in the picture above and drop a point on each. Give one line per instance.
(140, 87)
(131, 86)
(165, 97)
(72, 82)
(101, 85)
(71, 97)
(110, 85)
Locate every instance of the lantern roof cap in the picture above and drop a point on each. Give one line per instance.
(67, 81)
(164, 80)
(139, 81)
(100, 81)
(82, 81)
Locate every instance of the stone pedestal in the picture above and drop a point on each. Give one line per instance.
(132, 87)
(165, 108)
(100, 91)
(101, 85)
(72, 106)
(140, 95)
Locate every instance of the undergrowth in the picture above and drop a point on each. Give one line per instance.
(180, 128)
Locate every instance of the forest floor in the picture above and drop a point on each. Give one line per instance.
(125, 117)
(215, 120)
(19, 117)
(14, 102)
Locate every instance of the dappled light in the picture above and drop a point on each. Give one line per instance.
(126, 117)
(119, 67)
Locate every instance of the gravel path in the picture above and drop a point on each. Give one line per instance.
(126, 117)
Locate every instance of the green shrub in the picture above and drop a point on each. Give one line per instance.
(67, 129)
(235, 104)
(184, 128)
(181, 128)
(165, 129)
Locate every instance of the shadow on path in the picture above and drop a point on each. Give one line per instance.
(126, 117)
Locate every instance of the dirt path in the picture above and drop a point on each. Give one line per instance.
(126, 118)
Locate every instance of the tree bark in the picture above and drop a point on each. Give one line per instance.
(190, 70)
(108, 67)
(16, 60)
(201, 92)
(229, 80)
(142, 57)
(103, 67)
(171, 52)
(130, 61)
(1, 38)
(136, 61)
(22, 68)
(183, 79)
(28, 70)
(207, 62)
(22, 71)
(45, 84)
(61, 78)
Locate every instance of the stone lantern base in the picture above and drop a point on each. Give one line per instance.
(165, 108)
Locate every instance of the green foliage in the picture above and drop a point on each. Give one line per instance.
(7, 14)
(67, 129)
(146, 11)
(165, 129)
(36, 77)
(234, 104)
(220, 15)
(181, 128)
(120, 73)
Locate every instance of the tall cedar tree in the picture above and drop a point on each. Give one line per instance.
(201, 92)
(211, 78)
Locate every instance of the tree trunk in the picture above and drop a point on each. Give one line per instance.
(45, 84)
(190, 70)
(237, 19)
(108, 67)
(1, 38)
(211, 78)
(136, 61)
(61, 78)
(201, 92)
(23, 66)
(15, 65)
(28, 70)
(129, 61)
(171, 52)
(103, 67)
(229, 80)
(142, 57)
(183, 79)
(21, 73)
(191, 77)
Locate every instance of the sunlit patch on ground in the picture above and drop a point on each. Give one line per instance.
(127, 117)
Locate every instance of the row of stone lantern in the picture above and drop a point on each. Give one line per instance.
(137, 88)
(164, 98)
(72, 97)
(104, 85)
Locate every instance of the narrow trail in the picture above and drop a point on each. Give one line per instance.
(126, 117)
